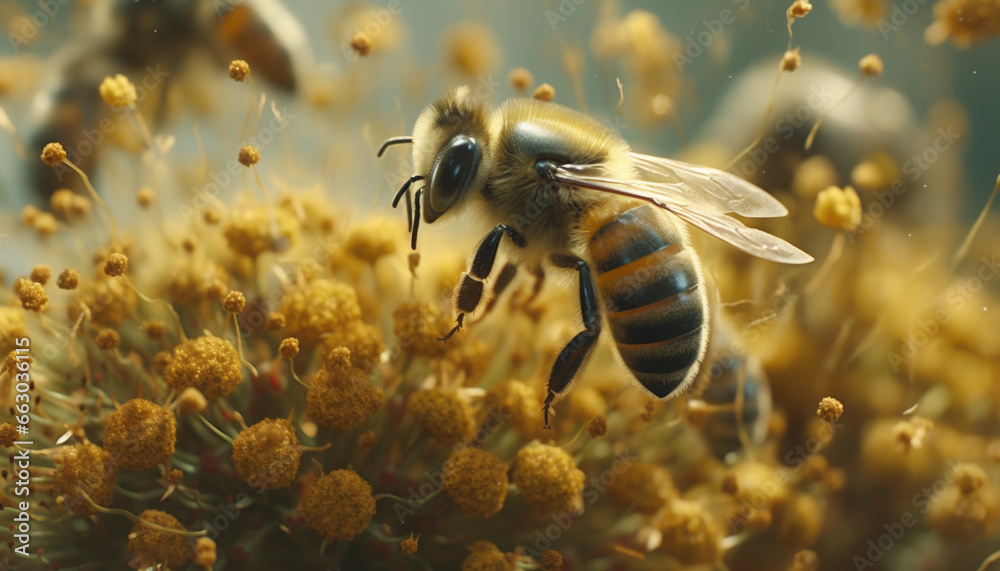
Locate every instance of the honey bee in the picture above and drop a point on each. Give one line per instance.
(149, 41)
(568, 190)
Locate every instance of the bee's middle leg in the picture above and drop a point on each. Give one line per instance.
(469, 293)
(503, 279)
(539, 274)
(572, 357)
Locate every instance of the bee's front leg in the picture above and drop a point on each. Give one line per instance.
(469, 292)
(575, 353)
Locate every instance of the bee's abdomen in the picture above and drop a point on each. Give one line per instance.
(655, 305)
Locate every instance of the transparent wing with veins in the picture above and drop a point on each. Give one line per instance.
(699, 195)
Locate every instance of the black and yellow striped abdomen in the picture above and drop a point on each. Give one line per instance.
(649, 284)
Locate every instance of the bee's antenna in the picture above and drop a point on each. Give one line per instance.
(393, 141)
(409, 213)
(405, 189)
(416, 217)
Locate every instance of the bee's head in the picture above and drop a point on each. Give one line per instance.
(451, 150)
(451, 155)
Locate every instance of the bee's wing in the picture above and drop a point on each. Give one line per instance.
(721, 191)
(750, 240)
(698, 203)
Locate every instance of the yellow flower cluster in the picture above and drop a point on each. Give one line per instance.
(140, 435)
(339, 505)
(549, 479)
(267, 454)
(341, 396)
(209, 364)
(84, 467)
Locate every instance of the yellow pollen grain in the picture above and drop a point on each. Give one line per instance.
(107, 339)
(544, 92)
(289, 347)
(361, 44)
(41, 274)
(871, 66)
(68, 279)
(53, 154)
(117, 91)
(830, 409)
(31, 295)
(239, 70)
(234, 302)
(117, 264)
(838, 208)
(248, 155)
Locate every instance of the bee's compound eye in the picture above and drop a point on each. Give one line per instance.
(454, 172)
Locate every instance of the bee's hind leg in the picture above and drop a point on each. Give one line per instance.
(575, 353)
(469, 293)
